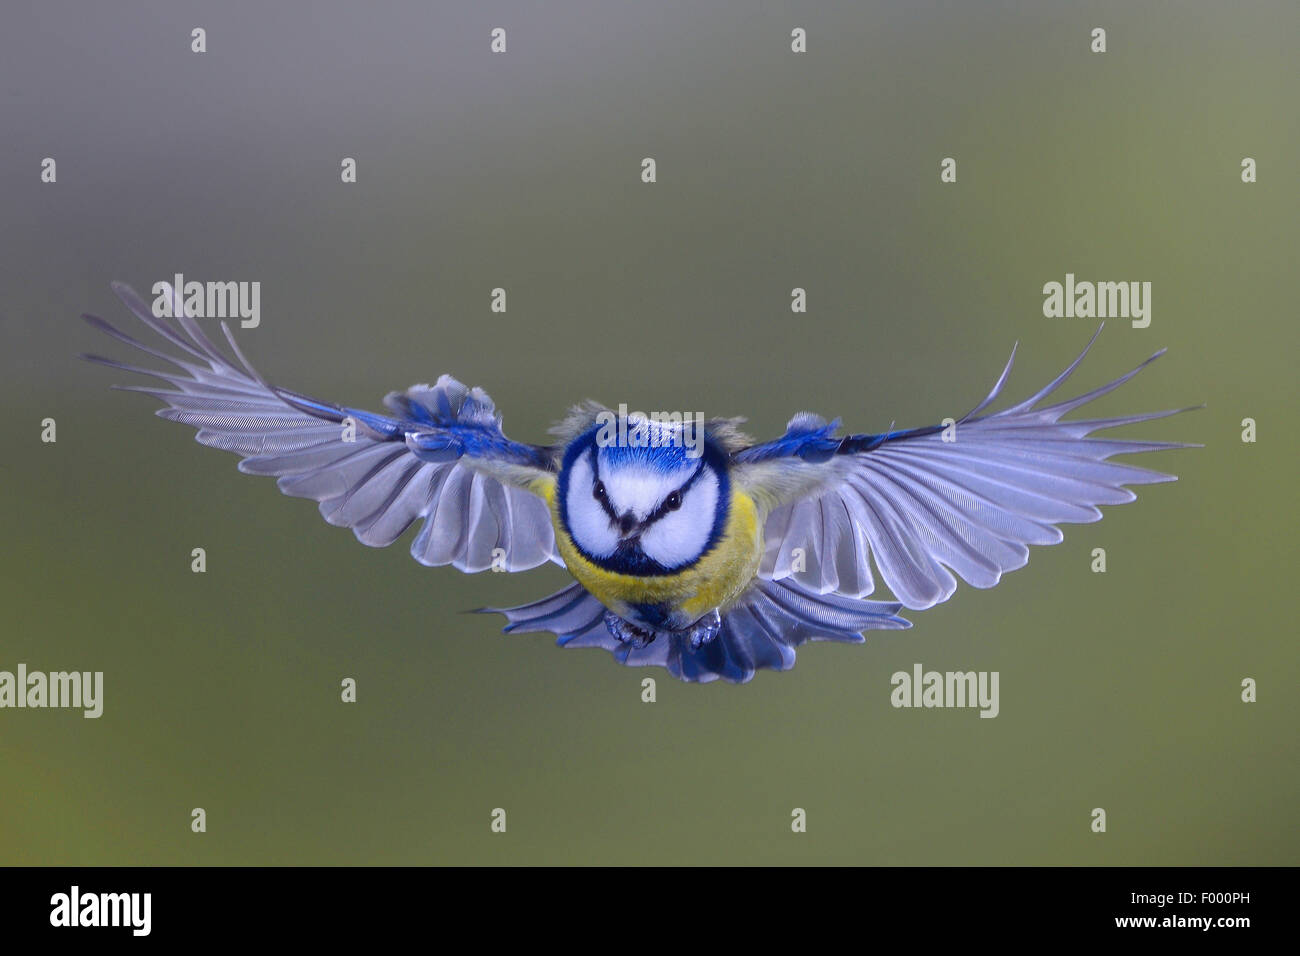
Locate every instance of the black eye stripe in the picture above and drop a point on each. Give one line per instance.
(666, 506)
(598, 488)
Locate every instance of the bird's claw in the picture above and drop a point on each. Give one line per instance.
(705, 629)
(627, 633)
(697, 635)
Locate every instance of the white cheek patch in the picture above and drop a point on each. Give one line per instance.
(680, 537)
(588, 522)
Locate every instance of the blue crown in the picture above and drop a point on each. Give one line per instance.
(667, 447)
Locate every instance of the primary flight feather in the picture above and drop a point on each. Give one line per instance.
(706, 554)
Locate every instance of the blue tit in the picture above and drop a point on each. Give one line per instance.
(691, 546)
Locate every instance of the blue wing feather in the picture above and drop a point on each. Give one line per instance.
(440, 458)
(926, 503)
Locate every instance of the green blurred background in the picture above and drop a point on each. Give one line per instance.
(521, 170)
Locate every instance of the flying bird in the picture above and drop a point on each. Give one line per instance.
(708, 554)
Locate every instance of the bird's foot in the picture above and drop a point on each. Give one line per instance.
(697, 635)
(627, 633)
(704, 630)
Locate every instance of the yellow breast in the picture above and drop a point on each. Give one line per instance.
(714, 581)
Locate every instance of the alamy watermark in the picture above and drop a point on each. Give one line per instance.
(624, 429)
(81, 690)
(209, 300)
(1098, 300)
(922, 688)
(75, 908)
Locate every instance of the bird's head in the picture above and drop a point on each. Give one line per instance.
(638, 496)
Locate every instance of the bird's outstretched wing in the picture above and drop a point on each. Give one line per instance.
(440, 456)
(927, 502)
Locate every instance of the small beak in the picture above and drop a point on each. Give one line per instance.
(627, 523)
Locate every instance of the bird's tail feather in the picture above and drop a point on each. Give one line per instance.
(761, 630)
